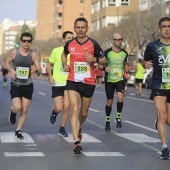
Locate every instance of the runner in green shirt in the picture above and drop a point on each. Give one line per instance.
(57, 78)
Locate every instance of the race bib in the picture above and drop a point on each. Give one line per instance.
(22, 72)
(115, 73)
(165, 75)
(81, 71)
(62, 70)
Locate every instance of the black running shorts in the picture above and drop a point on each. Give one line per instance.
(21, 91)
(160, 92)
(58, 91)
(111, 87)
(138, 80)
(85, 90)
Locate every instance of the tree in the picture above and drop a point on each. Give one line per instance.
(25, 28)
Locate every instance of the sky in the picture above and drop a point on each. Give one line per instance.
(17, 10)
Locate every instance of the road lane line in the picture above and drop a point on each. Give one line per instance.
(114, 132)
(141, 126)
(102, 154)
(94, 110)
(133, 98)
(21, 154)
(86, 139)
(9, 137)
(138, 137)
(42, 93)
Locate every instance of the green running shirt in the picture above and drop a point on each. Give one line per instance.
(116, 61)
(140, 72)
(59, 75)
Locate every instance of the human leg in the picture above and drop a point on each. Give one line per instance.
(65, 115)
(160, 104)
(110, 89)
(58, 105)
(120, 94)
(140, 89)
(23, 112)
(85, 104)
(74, 98)
(119, 109)
(15, 108)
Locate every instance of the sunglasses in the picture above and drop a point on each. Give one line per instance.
(28, 41)
(120, 39)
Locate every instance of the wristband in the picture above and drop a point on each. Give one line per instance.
(97, 60)
(104, 68)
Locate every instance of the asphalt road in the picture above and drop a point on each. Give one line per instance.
(135, 147)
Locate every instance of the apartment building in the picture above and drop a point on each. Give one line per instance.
(148, 4)
(8, 32)
(9, 38)
(110, 12)
(56, 16)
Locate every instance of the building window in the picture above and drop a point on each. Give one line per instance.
(124, 2)
(59, 27)
(60, 2)
(92, 9)
(81, 14)
(97, 6)
(112, 2)
(59, 15)
(81, 1)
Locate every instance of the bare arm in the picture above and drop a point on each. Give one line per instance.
(64, 62)
(50, 76)
(36, 63)
(7, 62)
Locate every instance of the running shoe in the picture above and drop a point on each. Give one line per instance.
(80, 135)
(156, 124)
(107, 127)
(62, 132)
(53, 116)
(12, 117)
(77, 147)
(18, 134)
(118, 123)
(165, 154)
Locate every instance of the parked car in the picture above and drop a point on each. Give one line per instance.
(148, 81)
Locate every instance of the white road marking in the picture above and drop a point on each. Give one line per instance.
(42, 93)
(133, 94)
(94, 110)
(21, 154)
(85, 139)
(9, 137)
(103, 154)
(30, 145)
(144, 127)
(138, 137)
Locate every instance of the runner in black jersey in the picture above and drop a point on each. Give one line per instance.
(157, 54)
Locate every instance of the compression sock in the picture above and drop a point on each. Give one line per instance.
(119, 107)
(108, 112)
